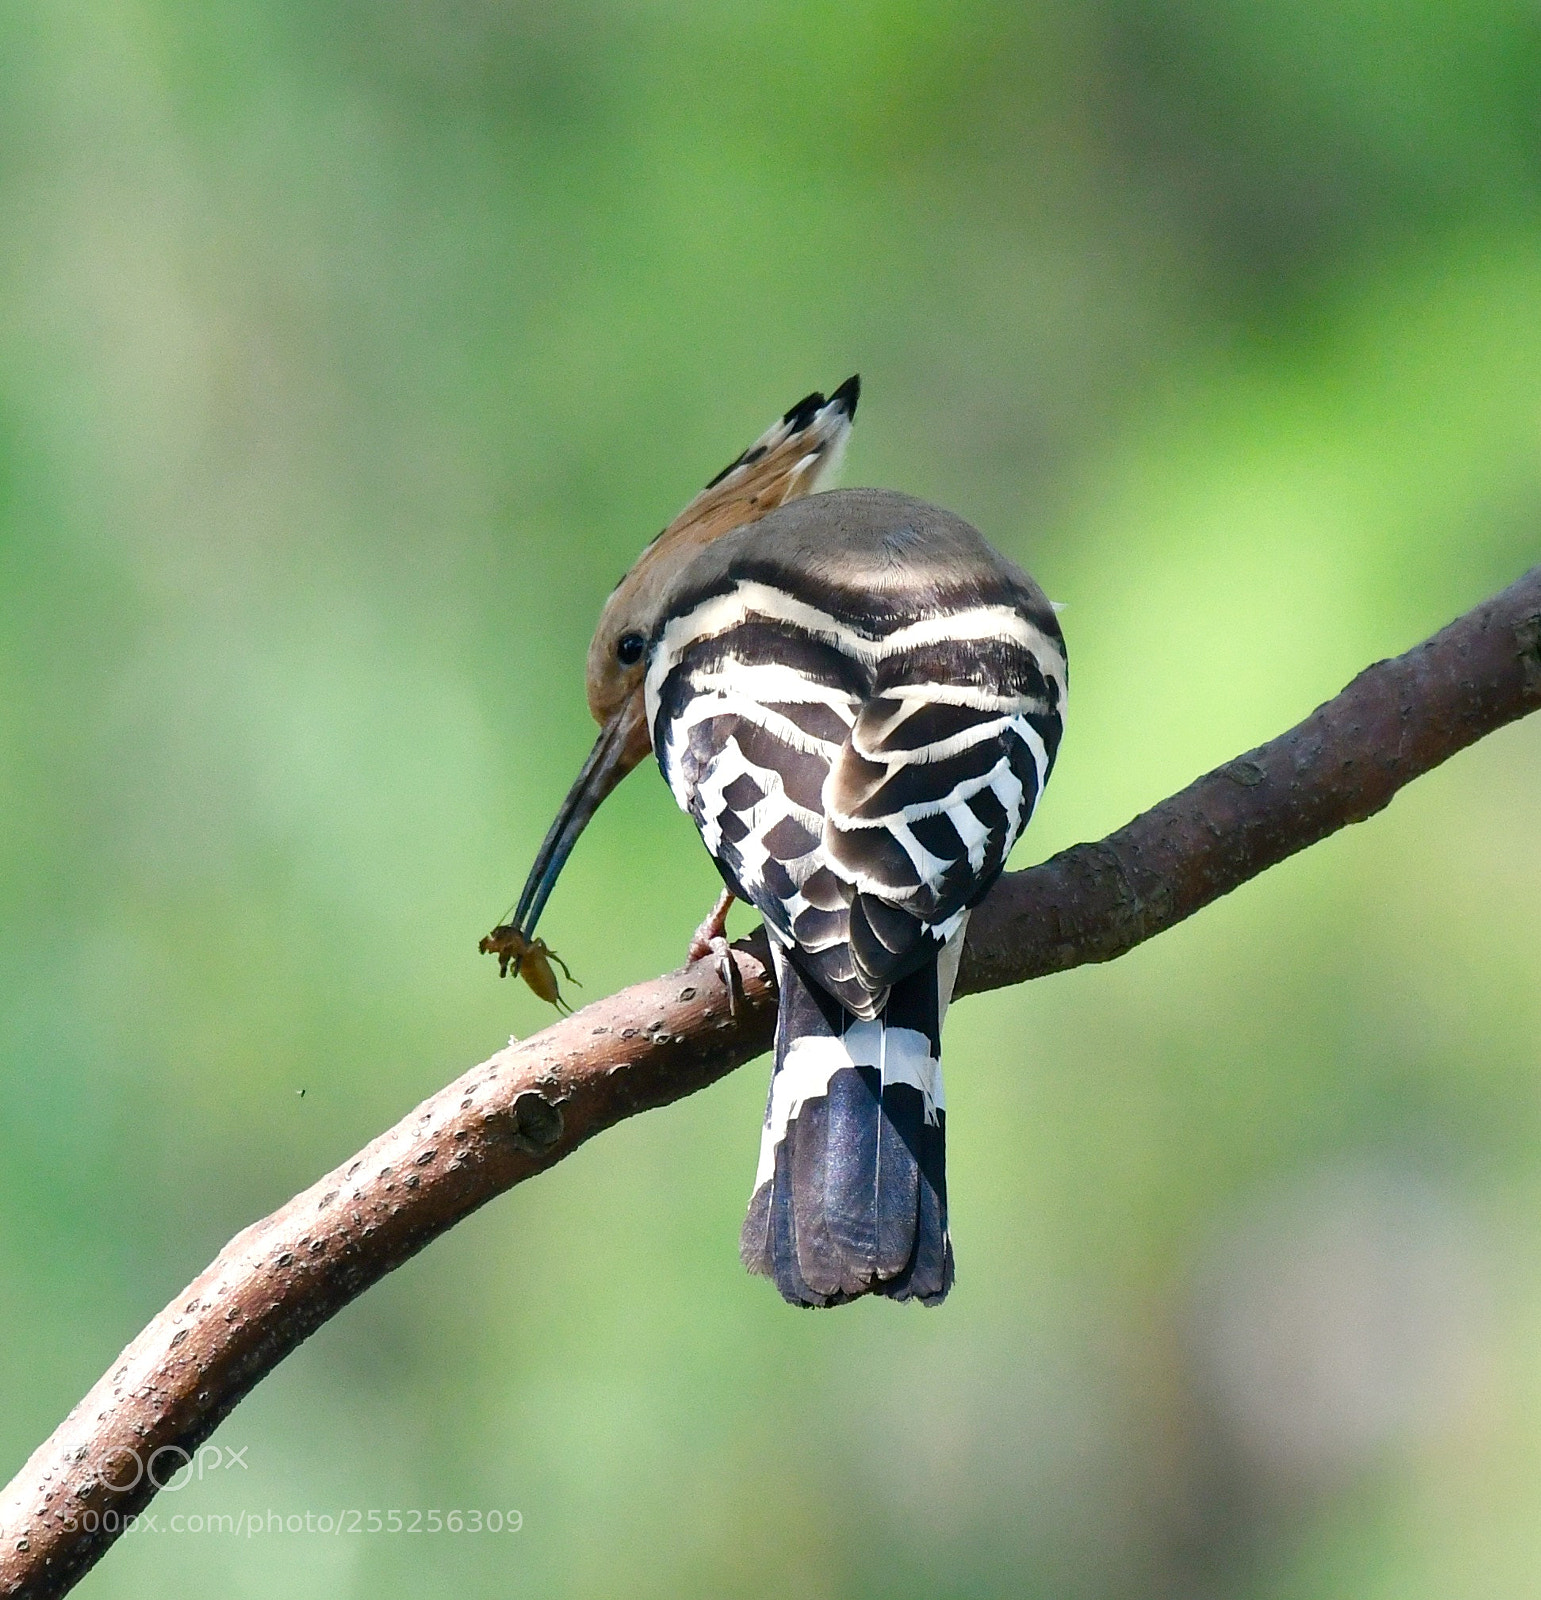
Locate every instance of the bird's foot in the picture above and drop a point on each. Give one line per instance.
(727, 970)
(711, 939)
(713, 929)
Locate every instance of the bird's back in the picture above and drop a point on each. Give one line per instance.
(874, 556)
(859, 701)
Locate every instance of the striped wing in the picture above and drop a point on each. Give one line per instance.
(944, 765)
(748, 727)
(861, 791)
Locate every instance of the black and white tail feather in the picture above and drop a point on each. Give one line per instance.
(850, 1197)
(858, 702)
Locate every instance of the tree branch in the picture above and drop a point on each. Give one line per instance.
(537, 1101)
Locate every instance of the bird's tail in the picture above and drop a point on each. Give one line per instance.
(851, 1193)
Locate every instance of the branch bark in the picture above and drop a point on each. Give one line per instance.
(533, 1103)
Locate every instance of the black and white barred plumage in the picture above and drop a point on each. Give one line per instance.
(859, 703)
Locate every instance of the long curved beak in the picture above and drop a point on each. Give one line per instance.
(622, 743)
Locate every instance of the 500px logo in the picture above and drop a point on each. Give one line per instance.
(169, 1468)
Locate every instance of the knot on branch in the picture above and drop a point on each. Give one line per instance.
(534, 1123)
(1527, 634)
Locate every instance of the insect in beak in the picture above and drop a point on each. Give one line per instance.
(622, 743)
(529, 959)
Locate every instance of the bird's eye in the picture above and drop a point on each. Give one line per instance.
(629, 651)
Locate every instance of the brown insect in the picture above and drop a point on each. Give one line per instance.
(529, 959)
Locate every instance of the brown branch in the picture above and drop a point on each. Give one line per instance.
(1394, 722)
(533, 1103)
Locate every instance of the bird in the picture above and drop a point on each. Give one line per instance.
(858, 702)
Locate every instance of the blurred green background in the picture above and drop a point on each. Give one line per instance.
(349, 352)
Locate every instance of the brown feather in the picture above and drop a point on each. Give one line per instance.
(792, 458)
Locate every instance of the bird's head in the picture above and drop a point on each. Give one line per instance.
(618, 651)
(794, 457)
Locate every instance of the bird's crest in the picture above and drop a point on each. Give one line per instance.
(795, 456)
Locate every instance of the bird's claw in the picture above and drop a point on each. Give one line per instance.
(711, 939)
(727, 970)
(713, 929)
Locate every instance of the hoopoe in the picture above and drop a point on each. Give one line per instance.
(858, 702)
